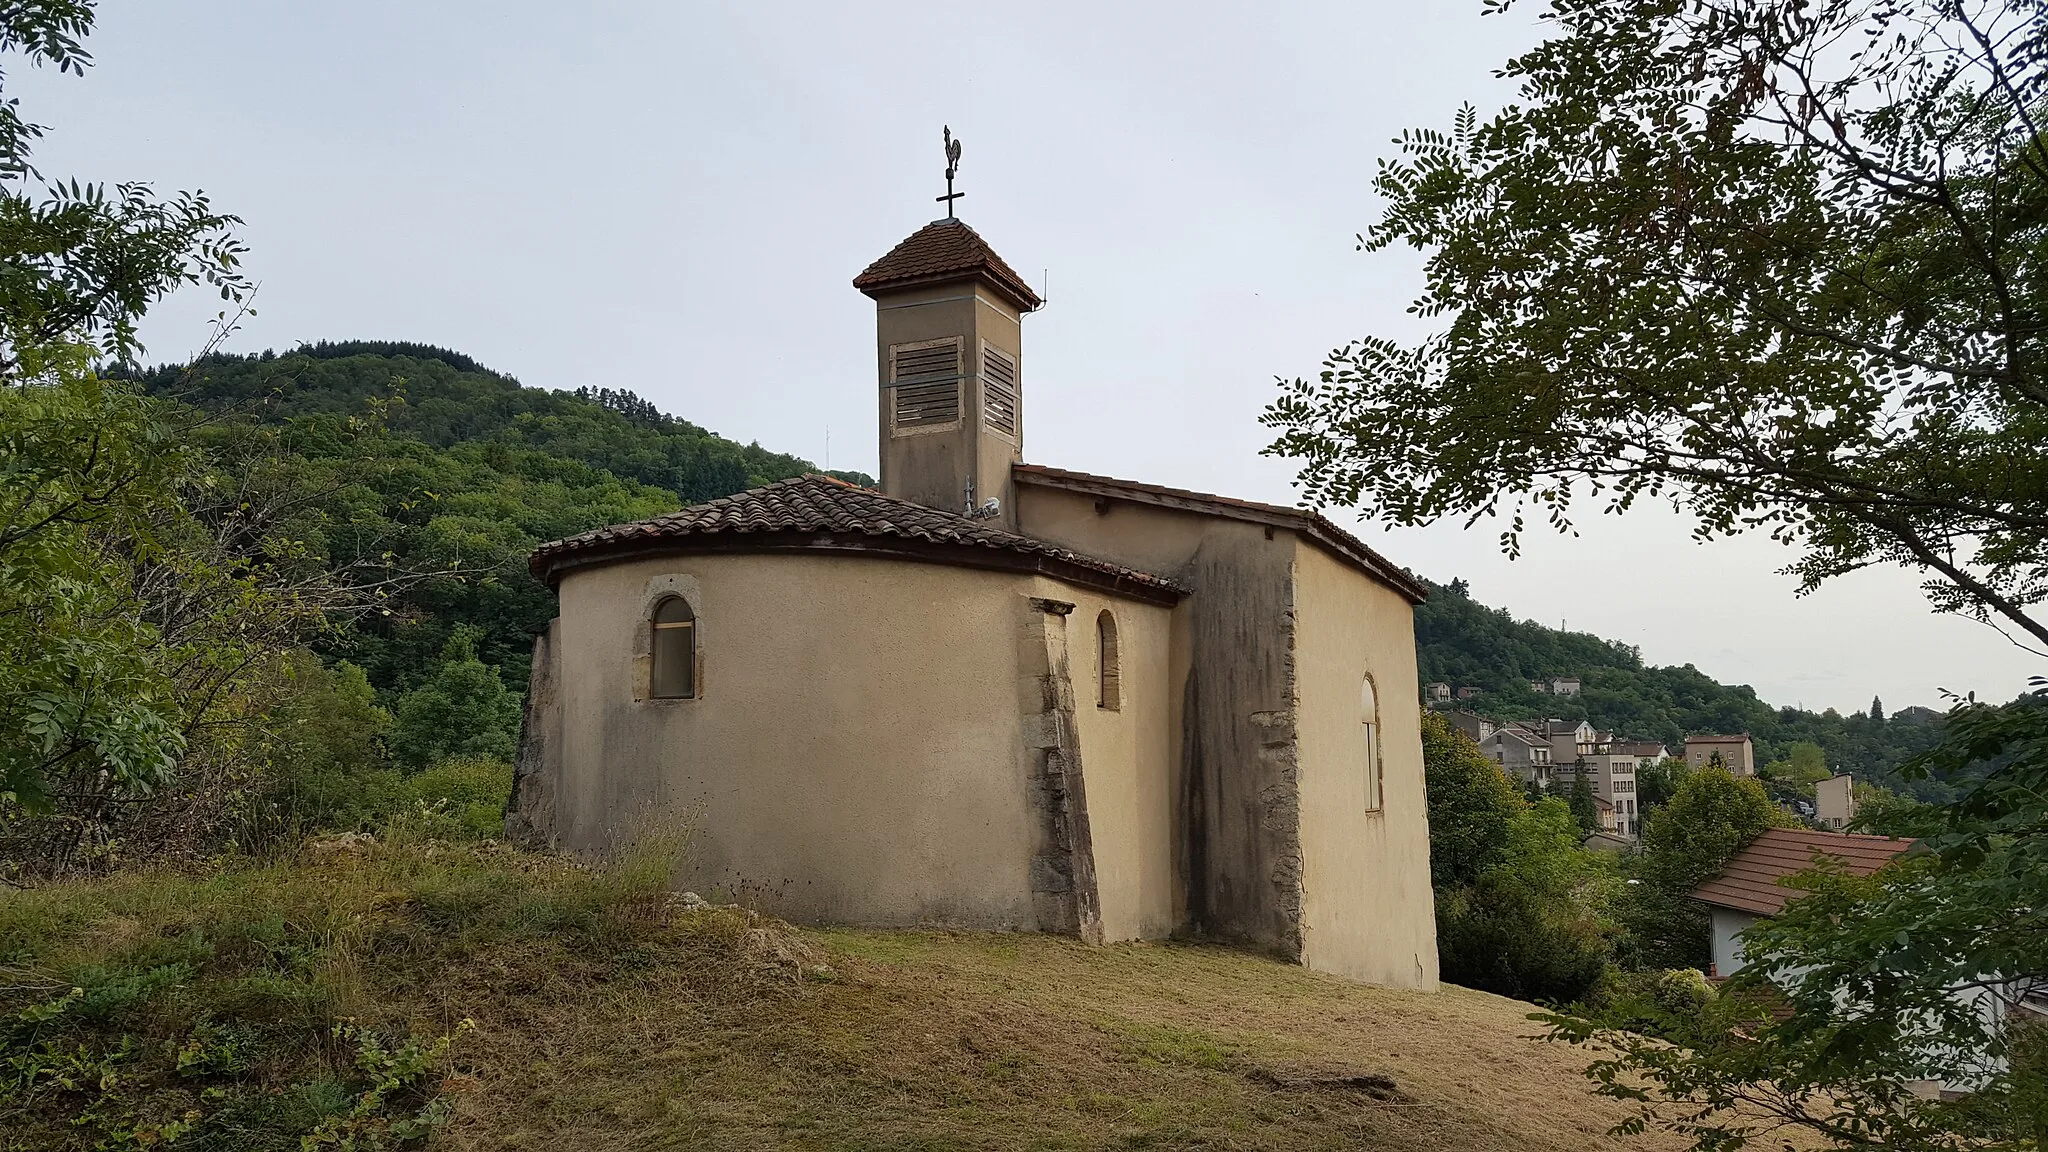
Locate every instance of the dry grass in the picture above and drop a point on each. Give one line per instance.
(606, 1019)
(946, 1040)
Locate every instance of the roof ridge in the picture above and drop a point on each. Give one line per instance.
(818, 506)
(1331, 535)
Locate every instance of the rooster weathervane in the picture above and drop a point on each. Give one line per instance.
(952, 169)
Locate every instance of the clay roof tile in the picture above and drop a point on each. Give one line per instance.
(945, 250)
(824, 506)
(1749, 881)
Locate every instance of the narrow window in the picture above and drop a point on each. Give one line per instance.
(1109, 688)
(674, 675)
(1369, 717)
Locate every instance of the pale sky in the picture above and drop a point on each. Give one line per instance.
(672, 198)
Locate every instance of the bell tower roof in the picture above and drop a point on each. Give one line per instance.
(941, 251)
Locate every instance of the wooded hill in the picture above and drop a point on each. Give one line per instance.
(420, 460)
(426, 461)
(1461, 641)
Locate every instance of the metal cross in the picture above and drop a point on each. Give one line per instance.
(952, 168)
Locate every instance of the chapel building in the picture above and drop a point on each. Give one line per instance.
(994, 695)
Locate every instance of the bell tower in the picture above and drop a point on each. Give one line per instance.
(949, 350)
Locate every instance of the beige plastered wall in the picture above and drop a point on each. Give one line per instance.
(1238, 861)
(857, 754)
(1367, 907)
(932, 465)
(1127, 761)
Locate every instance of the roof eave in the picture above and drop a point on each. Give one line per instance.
(1309, 524)
(551, 566)
(1017, 294)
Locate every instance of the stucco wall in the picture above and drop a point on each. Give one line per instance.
(932, 465)
(1128, 761)
(856, 754)
(863, 748)
(1367, 908)
(1239, 864)
(1727, 924)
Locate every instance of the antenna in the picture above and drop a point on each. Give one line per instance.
(952, 169)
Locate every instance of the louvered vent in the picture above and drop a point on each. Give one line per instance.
(927, 383)
(999, 391)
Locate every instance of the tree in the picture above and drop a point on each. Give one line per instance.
(1913, 974)
(465, 710)
(85, 262)
(1876, 710)
(1657, 782)
(1472, 803)
(1778, 265)
(87, 685)
(1527, 927)
(1710, 818)
(1585, 807)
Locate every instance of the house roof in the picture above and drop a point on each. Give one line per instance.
(1738, 738)
(945, 250)
(820, 514)
(1749, 881)
(1313, 525)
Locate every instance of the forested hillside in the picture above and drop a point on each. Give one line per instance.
(424, 465)
(440, 474)
(1463, 642)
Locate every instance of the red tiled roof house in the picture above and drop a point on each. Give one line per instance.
(1747, 888)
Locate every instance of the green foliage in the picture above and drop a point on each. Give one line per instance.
(1658, 781)
(88, 682)
(1793, 778)
(1513, 908)
(322, 752)
(1472, 804)
(1893, 980)
(463, 799)
(429, 467)
(1584, 808)
(1702, 258)
(1461, 641)
(464, 710)
(83, 262)
(1712, 816)
(391, 1074)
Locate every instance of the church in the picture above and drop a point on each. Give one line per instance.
(994, 695)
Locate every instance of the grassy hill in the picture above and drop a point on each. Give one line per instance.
(252, 1007)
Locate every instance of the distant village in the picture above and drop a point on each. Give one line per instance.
(1550, 755)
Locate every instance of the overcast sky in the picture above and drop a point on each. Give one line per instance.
(672, 198)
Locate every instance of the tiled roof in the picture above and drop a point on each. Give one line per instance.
(1738, 738)
(1311, 524)
(1749, 883)
(820, 513)
(945, 250)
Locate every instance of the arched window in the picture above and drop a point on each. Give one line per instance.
(1369, 720)
(1109, 690)
(674, 648)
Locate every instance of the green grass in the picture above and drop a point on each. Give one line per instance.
(261, 1005)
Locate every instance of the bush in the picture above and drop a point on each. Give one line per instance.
(1668, 1002)
(1506, 935)
(465, 797)
(464, 711)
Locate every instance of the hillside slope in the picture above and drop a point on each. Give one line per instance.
(1463, 642)
(602, 1016)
